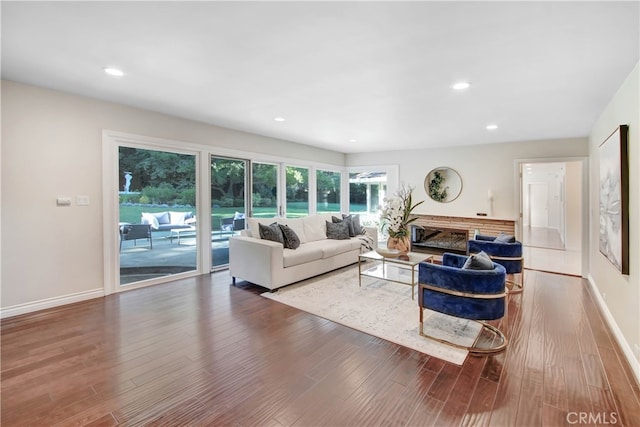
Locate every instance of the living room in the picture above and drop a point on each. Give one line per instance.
(53, 146)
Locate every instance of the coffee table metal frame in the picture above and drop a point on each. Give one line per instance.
(391, 268)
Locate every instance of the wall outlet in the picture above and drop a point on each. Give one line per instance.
(604, 296)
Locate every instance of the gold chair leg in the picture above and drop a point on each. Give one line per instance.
(514, 286)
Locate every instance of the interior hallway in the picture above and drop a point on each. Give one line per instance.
(543, 250)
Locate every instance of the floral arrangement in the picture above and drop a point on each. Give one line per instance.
(396, 212)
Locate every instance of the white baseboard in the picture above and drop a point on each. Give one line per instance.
(49, 303)
(617, 333)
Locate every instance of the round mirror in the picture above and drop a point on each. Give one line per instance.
(443, 184)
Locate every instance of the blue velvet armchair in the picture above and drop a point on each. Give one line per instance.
(509, 255)
(477, 295)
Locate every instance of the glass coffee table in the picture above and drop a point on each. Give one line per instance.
(398, 269)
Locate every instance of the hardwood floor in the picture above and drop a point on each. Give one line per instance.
(201, 352)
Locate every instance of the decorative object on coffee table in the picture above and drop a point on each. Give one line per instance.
(396, 217)
(387, 253)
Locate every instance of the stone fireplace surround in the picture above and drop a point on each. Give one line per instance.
(450, 228)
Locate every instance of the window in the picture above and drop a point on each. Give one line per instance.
(297, 179)
(327, 191)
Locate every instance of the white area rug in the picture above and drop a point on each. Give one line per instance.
(380, 308)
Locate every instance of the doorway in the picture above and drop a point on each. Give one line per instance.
(551, 194)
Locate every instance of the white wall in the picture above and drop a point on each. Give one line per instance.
(482, 168)
(622, 291)
(573, 195)
(52, 146)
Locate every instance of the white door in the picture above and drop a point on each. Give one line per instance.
(539, 204)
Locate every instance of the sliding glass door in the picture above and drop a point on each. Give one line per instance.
(228, 205)
(157, 213)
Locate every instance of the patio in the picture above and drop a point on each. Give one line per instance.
(169, 255)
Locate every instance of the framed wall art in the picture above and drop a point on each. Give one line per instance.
(614, 199)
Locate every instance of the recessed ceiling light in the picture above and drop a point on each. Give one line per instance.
(353, 140)
(461, 86)
(492, 127)
(113, 72)
(279, 119)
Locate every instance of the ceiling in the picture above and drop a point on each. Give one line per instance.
(346, 76)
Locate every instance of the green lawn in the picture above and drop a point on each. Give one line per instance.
(132, 214)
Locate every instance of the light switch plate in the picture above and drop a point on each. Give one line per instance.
(82, 200)
(63, 201)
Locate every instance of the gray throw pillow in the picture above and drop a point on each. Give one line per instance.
(291, 239)
(271, 232)
(479, 261)
(355, 223)
(337, 230)
(505, 238)
(347, 221)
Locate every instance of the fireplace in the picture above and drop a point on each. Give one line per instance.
(437, 240)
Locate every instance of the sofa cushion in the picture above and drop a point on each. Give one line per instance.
(151, 219)
(254, 230)
(178, 218)
(271, 232)
(304, 254)
(315, 228)
(337, 230)
(330, 247)
(163, 217)
(291, 240)
(297, 225)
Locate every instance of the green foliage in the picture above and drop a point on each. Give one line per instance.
(297, 184)
(436, 192)
(163, 194)
(187, 197)
(328, 186)
(150, 168)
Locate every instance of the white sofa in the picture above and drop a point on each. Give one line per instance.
(270, 265)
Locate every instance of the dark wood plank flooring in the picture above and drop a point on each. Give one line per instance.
(201, 352)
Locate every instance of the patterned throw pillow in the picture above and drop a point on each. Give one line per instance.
(355, 223)
(337, 230)
(479, 261)
(346, 221)
(271, 232)
(291, 239)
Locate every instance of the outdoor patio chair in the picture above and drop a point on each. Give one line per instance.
(231, 224)
(135, 232)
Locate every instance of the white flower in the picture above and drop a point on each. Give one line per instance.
(396, 212)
